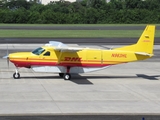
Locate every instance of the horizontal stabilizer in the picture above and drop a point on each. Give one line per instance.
(143, 53)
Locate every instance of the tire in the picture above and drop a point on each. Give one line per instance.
(16, 75)
(67, 76)
(61, 75)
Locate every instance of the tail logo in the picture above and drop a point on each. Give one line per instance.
(72, 59)
(146, 41)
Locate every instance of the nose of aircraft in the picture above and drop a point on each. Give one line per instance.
(20, 59)
(19, 55)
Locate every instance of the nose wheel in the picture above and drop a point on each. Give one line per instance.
(16, 75)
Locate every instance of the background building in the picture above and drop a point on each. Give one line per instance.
(48, 1)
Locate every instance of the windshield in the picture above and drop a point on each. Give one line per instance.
(38, 51)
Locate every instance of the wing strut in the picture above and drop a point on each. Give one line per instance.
(59, 57)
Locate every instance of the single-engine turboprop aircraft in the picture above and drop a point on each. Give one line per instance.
(57, 57)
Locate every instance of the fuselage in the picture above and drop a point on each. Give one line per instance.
(47, 56)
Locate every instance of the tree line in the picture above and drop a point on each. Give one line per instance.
(82, 12)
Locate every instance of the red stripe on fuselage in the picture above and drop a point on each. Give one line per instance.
(31, 63)
(21, 62)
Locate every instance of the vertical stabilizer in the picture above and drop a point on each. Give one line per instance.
(146, 41)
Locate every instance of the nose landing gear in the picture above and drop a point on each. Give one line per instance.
(16, 75)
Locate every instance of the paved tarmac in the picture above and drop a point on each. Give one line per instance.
(130, 90)
(74, 27)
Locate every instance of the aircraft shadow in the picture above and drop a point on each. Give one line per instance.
(78, 79)
(75, 79)
(148, 77)
(152, 77)
(40, 77)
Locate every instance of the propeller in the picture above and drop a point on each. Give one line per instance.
(8, 61)
(7, 57)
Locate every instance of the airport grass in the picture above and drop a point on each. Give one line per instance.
(69, 33)
(72, 33)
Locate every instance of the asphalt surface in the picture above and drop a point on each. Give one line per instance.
(105, 94)
(83, 117)
(76, 27)
(73, 27)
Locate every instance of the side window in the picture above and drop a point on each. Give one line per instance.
(46, 53)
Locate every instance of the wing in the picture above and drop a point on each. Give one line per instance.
(68, 49)
(56, 44)
(59, 46)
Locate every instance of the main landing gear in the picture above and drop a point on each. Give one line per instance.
(16, 75)
(65, 76)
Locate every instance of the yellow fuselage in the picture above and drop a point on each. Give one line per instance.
(83, 58)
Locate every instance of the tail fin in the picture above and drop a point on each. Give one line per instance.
(145, 42)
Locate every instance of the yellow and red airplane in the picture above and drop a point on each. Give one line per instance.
(57, 57)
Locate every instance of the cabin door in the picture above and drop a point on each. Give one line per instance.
(94, 58)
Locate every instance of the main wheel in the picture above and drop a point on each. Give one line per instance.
(61, 75)
(16, 75)
(67, 76)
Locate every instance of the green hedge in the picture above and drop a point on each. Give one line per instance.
(85, 12)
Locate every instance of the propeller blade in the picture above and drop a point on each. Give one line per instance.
(5, 56)
(7, 48)
(8, 62)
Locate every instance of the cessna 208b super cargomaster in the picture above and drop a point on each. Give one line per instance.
(57, 57)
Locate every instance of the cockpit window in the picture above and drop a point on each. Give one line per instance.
(46, 54)
(38, 51)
